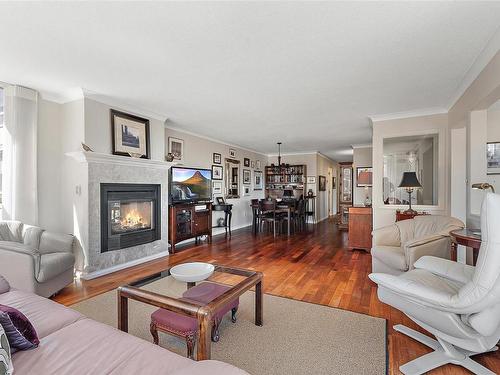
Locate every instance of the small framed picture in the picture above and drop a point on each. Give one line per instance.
(257, 164)
(252, 164)
(259, 183)
(220, 200)
(130, 135)
(311, 179)
(493, 157)
(246, 190)
(232, 153)
(217, 158)
(217, 187)
(217, 172)
(176, 148)
(334, 183)
(364, 177)
(247, 179)
(246, 162)
(322, 183)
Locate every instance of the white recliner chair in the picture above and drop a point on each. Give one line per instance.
(457, 303)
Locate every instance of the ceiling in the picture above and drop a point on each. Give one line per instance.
(307, 74)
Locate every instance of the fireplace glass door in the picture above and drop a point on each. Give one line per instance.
(130, 216)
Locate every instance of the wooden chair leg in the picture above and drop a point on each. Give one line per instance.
(215, 330)
(234, 310)
(190, 341)
(154, 333)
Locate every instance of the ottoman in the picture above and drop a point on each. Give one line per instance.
(187, 327)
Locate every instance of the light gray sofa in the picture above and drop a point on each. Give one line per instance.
(72, 344)
(397, 247)
(35, 260)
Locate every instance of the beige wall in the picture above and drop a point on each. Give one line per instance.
(361, 157)
(434, 124)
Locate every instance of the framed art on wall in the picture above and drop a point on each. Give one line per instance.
(257, 164)
(130, 135)
(176, 148)
(217, 187)
(493, 157)
(259, 183)
(217, 159)
(322, 183)
(311, 179)
(363, 176)
(246, 162)
(247, 179)
(217, 172)
(232, 153)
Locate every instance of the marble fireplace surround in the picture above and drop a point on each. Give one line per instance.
(105, 168)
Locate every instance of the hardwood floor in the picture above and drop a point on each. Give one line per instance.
(315, 267)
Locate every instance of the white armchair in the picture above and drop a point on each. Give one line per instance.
(457, 303)
(35, 260)
(397, 247)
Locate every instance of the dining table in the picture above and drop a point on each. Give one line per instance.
(288, 207)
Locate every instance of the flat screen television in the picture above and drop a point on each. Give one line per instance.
(190, 184)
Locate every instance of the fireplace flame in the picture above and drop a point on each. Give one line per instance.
(134, 219)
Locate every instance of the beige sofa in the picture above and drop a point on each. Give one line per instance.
(72, 344)
(397, 247)
(35, 260)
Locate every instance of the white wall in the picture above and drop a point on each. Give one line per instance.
(435, 124)
(361, 157)
(325, 166)
(198, 152)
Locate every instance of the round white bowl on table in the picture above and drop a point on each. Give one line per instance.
(192, 272)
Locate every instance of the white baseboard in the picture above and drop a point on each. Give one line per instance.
(118, 267)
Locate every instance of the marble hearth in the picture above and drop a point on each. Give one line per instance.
(106, 169)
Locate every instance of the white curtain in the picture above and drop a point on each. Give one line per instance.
(19, 166)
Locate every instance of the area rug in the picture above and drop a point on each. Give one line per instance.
(296, 338)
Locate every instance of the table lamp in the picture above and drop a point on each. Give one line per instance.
(410, 182)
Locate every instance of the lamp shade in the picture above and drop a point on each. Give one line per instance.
(409, 180)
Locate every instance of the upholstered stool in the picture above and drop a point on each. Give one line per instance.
(207, 292)
(187, 327)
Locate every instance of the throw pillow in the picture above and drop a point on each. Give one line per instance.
(6, 367)
(4, 285)
(19, 330)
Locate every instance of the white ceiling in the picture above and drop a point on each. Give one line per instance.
(307, 74)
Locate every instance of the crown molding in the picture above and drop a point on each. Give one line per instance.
(489, 51)
(213, 139)
(408, 114)
(365, 145)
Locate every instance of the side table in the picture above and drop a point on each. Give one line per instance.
(465, 237)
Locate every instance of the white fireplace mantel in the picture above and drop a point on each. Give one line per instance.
(97, 157)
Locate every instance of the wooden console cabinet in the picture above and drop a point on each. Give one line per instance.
(360, 228)
(189, 220)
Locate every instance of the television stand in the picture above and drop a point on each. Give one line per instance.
(189, 220)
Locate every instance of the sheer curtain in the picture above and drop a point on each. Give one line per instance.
(19, 167)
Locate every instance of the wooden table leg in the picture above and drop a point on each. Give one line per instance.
(288, 213)
(258, 303)
(122, 313)
(204, 337)
(454, 251)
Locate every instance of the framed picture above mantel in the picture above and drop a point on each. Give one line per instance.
(130, 135)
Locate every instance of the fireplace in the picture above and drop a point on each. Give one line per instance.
(130, 215)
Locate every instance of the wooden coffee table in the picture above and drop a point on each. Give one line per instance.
(204, 313)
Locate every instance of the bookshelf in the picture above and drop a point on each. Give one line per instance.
(279, 178)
